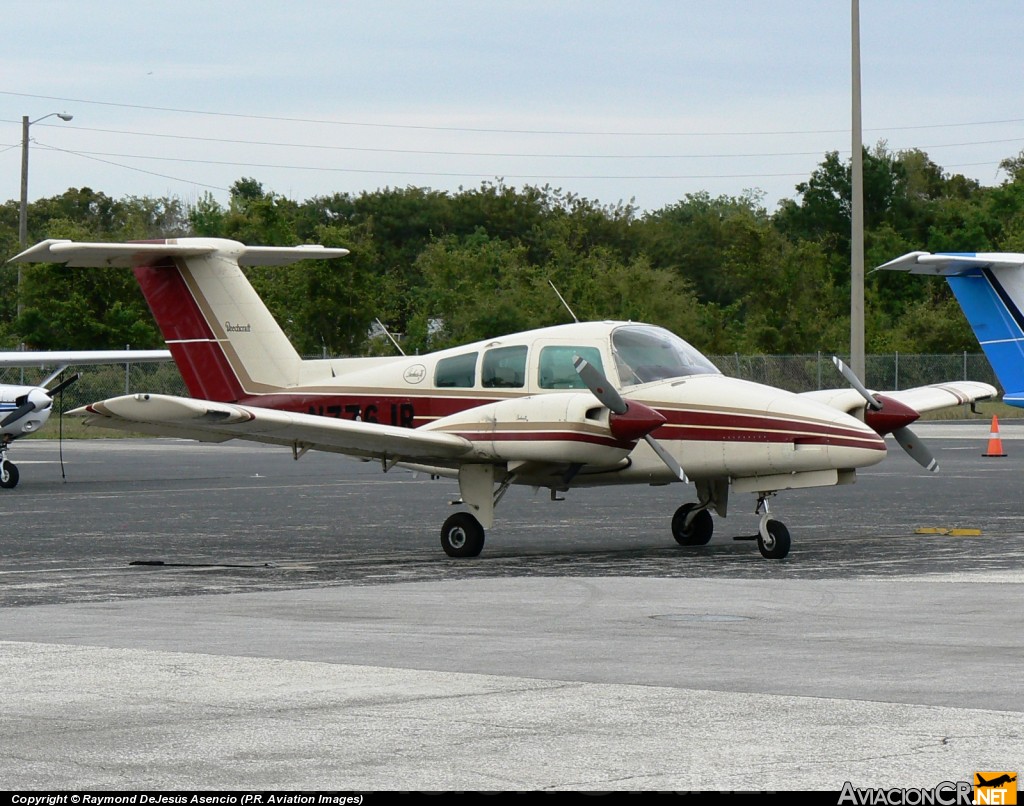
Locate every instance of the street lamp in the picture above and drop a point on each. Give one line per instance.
(23, 210)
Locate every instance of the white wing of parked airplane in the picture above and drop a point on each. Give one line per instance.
(74, 358)
(208, 421)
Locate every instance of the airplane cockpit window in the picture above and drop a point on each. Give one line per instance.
(504, 368)
(644, 353)
(460, 371)
(557, 370)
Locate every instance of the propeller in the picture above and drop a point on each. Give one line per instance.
(628, 421)
(889, 416)
(37, 399)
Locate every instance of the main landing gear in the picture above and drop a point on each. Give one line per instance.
(692, 525)
(462, 536)
(8, 471)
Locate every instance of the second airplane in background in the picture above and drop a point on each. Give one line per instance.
(585, 404)
(24, 409)
(990, 289)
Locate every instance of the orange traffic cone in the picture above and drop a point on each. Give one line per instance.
(995, 444)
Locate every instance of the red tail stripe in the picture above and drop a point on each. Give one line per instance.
(200, 358)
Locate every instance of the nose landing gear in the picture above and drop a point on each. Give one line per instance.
(772, 536)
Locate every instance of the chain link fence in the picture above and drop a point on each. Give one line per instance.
(797, 373)
(802, 373)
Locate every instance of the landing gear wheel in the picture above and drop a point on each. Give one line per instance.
(776, 545)
(699, 530)
(462, 536)
(9, 476)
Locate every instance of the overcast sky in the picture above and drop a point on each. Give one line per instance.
(643, 101)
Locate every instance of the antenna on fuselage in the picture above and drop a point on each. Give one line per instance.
(566, 304)
(387, 333)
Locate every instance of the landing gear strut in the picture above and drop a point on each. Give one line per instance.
(772, 536)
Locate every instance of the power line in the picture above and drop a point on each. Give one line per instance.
(501, 154)
(464, 174)
(321, 121)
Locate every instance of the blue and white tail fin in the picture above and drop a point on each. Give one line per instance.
(990, 290)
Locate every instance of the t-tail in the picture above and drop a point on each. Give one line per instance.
(225, 341)
(990, 290)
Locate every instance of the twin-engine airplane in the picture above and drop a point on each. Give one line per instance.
(575, 405)
(25, 409)
(990, 289)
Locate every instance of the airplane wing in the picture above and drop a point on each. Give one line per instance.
(67, 358)
(207, 421)
(944, 395)
(920, 398)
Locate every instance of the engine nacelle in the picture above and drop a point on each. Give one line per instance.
(570, 427)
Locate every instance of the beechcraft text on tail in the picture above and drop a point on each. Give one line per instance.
(584, 404)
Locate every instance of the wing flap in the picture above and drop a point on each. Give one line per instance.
(166, 415)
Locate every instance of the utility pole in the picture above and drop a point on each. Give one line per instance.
(857, 359)
(23, 209)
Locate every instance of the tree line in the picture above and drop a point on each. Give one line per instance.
(441, 268)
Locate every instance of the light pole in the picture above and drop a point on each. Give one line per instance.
(23, 210)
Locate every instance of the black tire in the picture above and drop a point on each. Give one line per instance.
(701, 527)
(12, 476)
(777, 546)
(462, 536)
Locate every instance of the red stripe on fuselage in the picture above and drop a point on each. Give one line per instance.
(686, 426)
(200, 358)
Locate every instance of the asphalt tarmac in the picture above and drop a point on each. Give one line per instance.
(180, 616)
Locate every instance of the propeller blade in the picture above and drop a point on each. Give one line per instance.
(854, 381)
(60, 387)
(610, 398)
(597, 383)
(25, 408)
(918, 450)
(667, 458)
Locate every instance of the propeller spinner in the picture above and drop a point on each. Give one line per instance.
(38, 399)
(889, 416)
(629, 420)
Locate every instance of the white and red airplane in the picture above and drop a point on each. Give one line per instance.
(574, 405)
(24, 409)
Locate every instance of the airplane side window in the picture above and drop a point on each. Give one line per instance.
(458, 371)
(504, 368)
(557, 370)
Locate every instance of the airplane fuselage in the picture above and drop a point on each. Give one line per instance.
(518, 399)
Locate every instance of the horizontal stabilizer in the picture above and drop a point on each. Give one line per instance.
(944, 265)
(146, 253)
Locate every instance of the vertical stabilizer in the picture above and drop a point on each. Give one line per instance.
(990, 290)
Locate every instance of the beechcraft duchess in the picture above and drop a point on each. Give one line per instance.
(569, 406)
